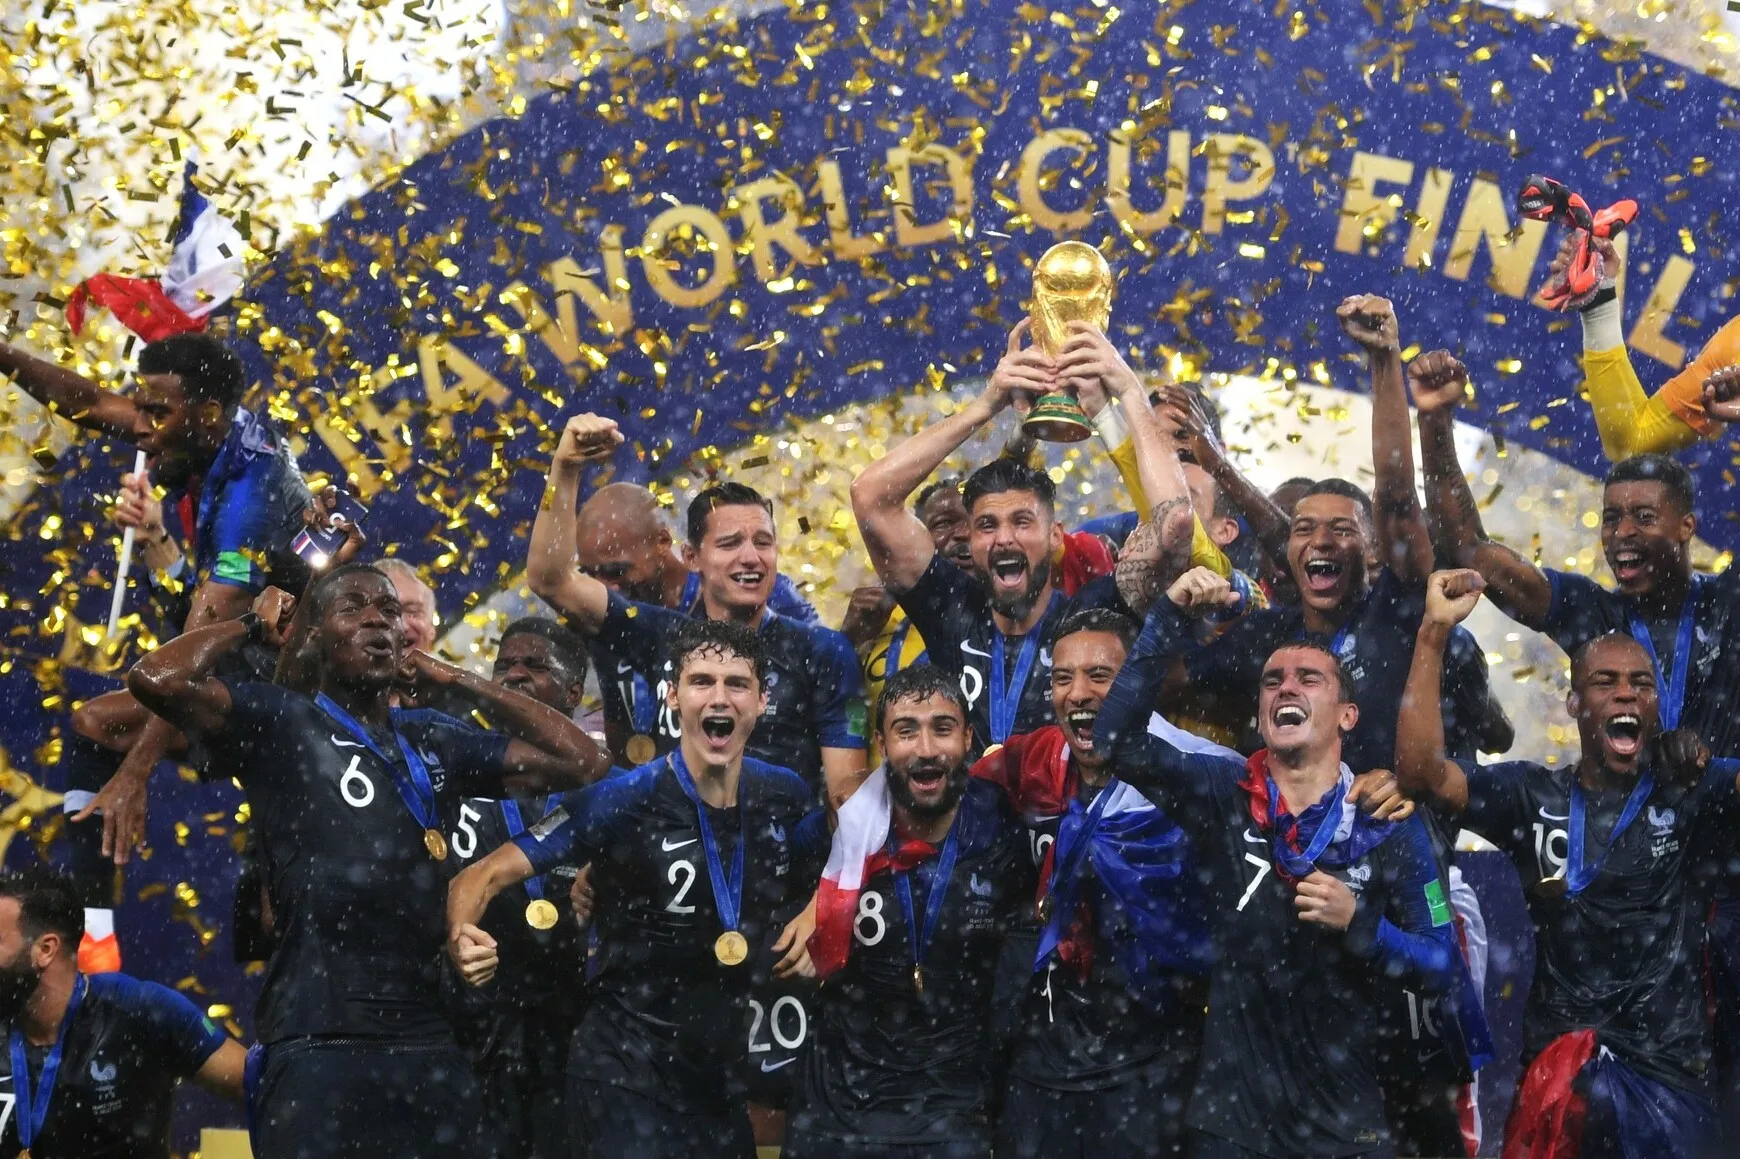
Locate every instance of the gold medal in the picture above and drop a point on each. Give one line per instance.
(641, 749)
(1045, 908)
(731, 948)
(1552, 888)
(24, 1154)
(918, 979)
(435, 844)
(541, 914)
(991, 750)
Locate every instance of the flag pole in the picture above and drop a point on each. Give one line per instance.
(120, 596)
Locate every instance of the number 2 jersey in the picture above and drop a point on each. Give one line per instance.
(127, 1047)
(664, 1018)
(360, 905)
(887, 1064)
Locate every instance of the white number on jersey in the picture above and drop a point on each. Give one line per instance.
(355, 784)
(786, 1011)
(465, 836)
(869, 911)
(686, 871)
(1263, 867)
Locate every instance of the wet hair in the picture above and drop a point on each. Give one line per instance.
(1004, 475)
(209, 370)
(920, 682)
(1670, 473)
(49, 903)
(1343, 678)
(932, 489)
(722, 638)
(319, 593)
(1108, 620)
(1345, 490)
(565, 646)
(722, 495)
(1580, 657)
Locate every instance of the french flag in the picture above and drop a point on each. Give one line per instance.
(205, 271)
(860, 835)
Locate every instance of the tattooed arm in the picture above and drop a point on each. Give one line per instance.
(1521, 590)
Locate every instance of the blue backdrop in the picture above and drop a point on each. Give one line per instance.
(807, 210)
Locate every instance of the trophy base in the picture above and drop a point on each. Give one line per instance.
(1057, 418)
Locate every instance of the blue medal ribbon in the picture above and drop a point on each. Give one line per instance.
(415, 790)
(1577, 874)
(1066, 867)
(1673, 690)
(516, 825)
(641, 706)
(691, 592)
(33, 1110)
(727, 895)
(1304, 864)
(939, 887)
(1005, 694)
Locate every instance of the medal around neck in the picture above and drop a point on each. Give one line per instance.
(541, 914)
(1071, 283)
(641, 749)
(435, 844)
(731, 948)
(1552, 888)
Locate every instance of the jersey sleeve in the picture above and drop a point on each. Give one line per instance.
(256, 711)
(1192, 784)
(1498, 801)
(245, 528)
(837, 713)
(787, 601)
(1411, 938)
(475, 760)
(635, 631)
(181, 1037)
(811, 842)
(1229, 665)
(939, 604)
(1632, 423)
(585, 822)
(1578, 610)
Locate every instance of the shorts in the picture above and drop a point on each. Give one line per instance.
(525, 1087)
(350, 1099)
(611, 1122)
(1141, 1116)
(800, 1144)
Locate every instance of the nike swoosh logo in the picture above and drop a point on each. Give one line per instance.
(1554, 816)
(348, 744)
(768, 1066)
(1251, 836)
(623, 669)
(972, 651)
(667, 845)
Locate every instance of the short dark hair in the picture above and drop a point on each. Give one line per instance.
(1670, 473)
(209, 370)
(920, 682)
(1210, 409)
(932, 489)
(319, 593)
(1003, 475)
(722, 495)
(723, 637)
(48, 903)
(1108, 620)
(565, 645)
(1580, 657)
(1345, 490)
(1343, 678)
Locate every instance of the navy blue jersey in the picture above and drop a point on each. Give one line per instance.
(1625, 955)
(129, 1044)
(950, 609)
(541, 970)
(815, 689)
(1582, 609)
(359, 905)
(663, 1017)
(1295, 1022)
(1376, 648)
(250, 506)
(887, 1064)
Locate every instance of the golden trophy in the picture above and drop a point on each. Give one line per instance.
(1071, 283)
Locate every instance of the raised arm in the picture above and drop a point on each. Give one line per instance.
(70, 395)
(174, 681)
(1403, 542)
(546, 750)
(900, 547)
(1271, 526)
(1519, 588)
(1158, 551)
(551, 571)
(1421, 768)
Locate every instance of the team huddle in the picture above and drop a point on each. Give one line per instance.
(1133, 838)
